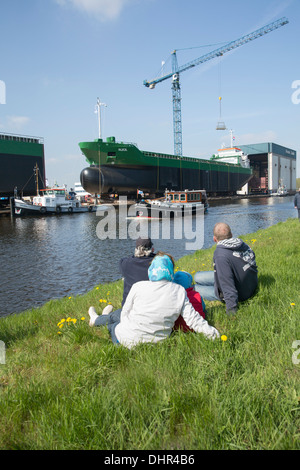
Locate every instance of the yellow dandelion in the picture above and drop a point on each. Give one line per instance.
(293, 304)
(82, 318)
(69, 297)
(97, 288)
(59, 333)
(224, 338)
(74, 320)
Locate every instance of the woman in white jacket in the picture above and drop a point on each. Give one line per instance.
(151, 309)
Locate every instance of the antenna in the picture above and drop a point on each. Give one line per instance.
(98, 111)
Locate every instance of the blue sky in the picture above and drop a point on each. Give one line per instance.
(58, 56)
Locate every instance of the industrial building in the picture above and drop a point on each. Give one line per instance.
(273, 166)
(19, 156)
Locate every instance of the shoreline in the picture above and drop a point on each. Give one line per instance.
(64, 385)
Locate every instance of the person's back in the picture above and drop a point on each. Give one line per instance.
(150, 311)
(135, 268)
(234, 277)
(235, 272)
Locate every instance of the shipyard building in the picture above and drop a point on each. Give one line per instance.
(273, 166)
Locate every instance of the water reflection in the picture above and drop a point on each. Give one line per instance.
(53, 257)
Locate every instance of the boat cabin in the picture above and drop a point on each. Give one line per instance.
(53, 197)
(185, 196)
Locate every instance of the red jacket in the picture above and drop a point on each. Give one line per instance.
(195, 299)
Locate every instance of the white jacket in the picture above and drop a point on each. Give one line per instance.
(150, 311)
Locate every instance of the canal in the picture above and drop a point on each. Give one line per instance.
(57, 256)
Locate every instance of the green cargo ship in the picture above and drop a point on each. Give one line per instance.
(19, 156)
(119, 167)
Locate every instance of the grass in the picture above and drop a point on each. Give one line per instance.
(64, 385)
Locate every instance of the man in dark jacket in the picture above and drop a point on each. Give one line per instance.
(297, 203)
(135, 268)
(235, 272)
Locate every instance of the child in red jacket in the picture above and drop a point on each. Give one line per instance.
(186, 280)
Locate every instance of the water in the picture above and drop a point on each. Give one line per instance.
(57, 256)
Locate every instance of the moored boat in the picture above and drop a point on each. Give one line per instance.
(173, 204)
(52, 201)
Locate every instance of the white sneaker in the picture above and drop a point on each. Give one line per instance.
(107, 310)
(93, 315)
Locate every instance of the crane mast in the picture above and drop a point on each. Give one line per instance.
(176, 70)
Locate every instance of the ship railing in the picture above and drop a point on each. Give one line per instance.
(21, 138)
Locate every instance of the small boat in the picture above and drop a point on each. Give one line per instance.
(174, 203)
(281, 191)
(52, 201)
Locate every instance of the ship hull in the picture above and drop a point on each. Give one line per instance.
(123, 169)
(126, 181)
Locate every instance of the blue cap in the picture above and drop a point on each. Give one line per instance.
(184, 279)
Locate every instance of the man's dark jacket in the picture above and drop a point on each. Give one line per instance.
(133, 270)
(235, 272)
(297, 200)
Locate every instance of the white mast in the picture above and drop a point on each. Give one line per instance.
(98, 111)
(231, 138)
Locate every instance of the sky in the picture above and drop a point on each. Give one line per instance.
(59, 56)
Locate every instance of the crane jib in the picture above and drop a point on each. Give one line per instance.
(176, 96)
(218, 52)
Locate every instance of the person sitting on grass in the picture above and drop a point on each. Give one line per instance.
(151, 309)
(185, 280)
(297, 203)
(135, 268)
(234, 278)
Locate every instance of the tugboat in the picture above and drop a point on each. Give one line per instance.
(174, 203)
(51, 201)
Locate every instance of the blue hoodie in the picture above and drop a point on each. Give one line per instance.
(235, 272)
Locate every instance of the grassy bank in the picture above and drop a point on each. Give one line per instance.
(64, 385)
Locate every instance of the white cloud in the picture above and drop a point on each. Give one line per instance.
(257, 138)
(102, 9)
(17, 122)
